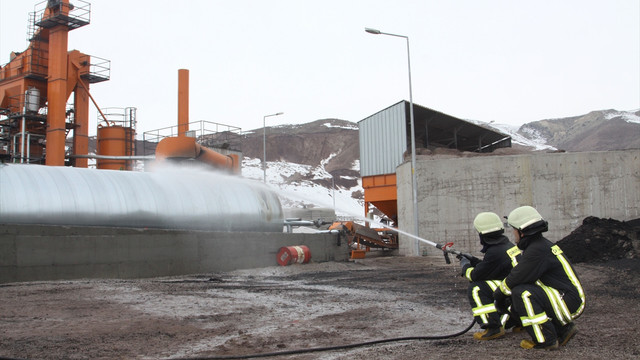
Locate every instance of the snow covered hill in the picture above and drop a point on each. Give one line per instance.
(347, 202)
(331, 144)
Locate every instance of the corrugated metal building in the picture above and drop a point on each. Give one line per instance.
(385, 137)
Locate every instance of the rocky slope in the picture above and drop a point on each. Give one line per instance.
(312, 165)
(597, 130)
(330, 143)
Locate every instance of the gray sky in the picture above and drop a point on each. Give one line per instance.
(506, 61)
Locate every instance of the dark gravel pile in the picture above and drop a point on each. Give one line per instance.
(601, 240)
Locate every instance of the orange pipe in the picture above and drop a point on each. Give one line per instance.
(183, 102)
(77, 63)
(214, 158)
(176, 147)
(57, 90)
(186, 148)
(86, 88)
(81, 131)
(236, 163)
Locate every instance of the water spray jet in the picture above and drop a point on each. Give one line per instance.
(379, 225)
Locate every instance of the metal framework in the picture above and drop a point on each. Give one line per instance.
(207, 133)
(33, 130)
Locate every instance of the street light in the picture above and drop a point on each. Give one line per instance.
(414, 182)
(264, 144)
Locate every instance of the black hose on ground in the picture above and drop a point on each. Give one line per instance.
(318, 349)
(332, 348)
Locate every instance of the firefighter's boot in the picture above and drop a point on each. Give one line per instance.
(566, 333)
(489, 333)
(529, 344)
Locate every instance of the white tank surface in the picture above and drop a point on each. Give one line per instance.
(183, 198)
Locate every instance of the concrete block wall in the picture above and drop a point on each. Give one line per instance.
(38, 252)
(564, 187)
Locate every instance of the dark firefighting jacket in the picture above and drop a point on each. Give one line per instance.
(543, 263)
(498, 260)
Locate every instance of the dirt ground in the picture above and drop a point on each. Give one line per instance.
(279, 309)
(403, 307)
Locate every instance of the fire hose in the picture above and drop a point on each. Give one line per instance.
(446, 249)
(333, 348)
(318, 349)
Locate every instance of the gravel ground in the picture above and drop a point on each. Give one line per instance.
(280, 309)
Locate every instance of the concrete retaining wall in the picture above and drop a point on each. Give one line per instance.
(564, 187)
(35, 252)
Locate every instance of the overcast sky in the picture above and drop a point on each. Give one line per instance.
(506, 61)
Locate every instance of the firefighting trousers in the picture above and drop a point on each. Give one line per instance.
(480, 295)
(543, 311)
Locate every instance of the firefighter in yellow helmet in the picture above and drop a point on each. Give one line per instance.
(543, 288)
(485, 275)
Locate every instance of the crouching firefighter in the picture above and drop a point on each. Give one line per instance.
(543, 288)
(485, 275)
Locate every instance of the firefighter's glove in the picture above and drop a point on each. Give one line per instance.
(474, 261)
(501, 301)
(464, 264)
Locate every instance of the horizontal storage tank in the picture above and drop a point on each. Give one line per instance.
(183, 198)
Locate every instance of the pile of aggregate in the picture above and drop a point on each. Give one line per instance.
(601, 240)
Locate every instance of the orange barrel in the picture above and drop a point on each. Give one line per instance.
(299, 254)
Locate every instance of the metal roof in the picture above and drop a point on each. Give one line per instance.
(436, 129)
(383, 142)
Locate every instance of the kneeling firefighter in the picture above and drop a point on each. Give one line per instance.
(543, 288)
(485, 275)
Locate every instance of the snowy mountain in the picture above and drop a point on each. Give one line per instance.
(528, 139)
(316, 165)
(596, 131)
(313, 165)
(306, 191)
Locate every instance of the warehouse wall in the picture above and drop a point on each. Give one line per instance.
(564, 187)
(33, 252)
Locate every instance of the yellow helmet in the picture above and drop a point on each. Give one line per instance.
(523, 216)
(487, 222)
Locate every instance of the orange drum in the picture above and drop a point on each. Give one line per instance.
(299, 254)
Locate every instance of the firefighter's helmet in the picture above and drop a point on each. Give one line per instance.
(487, 222)
(524, 216)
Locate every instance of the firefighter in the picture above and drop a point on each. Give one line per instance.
(485, 275)
(543, 288)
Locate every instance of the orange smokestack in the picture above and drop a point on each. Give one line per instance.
(183, 102)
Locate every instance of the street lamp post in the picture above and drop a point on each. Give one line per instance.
(264, 144)
(414, 182)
